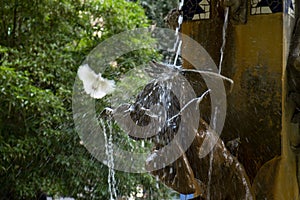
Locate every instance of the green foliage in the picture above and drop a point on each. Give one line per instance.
(42, 43)
(158, 10)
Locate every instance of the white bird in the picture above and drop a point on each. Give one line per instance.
(94, 84)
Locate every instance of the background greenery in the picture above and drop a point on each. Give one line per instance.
(42, 43)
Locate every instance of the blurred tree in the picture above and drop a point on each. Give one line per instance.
(157, 10)
(42, 43)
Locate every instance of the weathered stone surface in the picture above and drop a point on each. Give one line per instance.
(238, 10)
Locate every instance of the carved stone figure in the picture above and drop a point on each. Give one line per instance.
(238, 10)
(171, 19)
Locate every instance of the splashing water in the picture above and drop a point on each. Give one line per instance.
(110, 159)
(177, 47)
(209, 73)
(198, 100)
(163, 99)
(177, 52)
(178, 42)
(224, 38)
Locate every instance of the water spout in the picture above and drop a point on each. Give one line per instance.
(224, 38)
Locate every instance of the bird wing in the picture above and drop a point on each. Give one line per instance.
(88, 77)
(94, 85)
(85, 73)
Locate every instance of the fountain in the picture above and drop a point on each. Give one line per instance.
(110, 159)
(263, 107)
(257, 156)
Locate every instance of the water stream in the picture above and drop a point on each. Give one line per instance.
(110, 159)
(224, 39)
(178, 42)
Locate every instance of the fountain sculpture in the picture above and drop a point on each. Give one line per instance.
(262, 58)
(262, 135)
